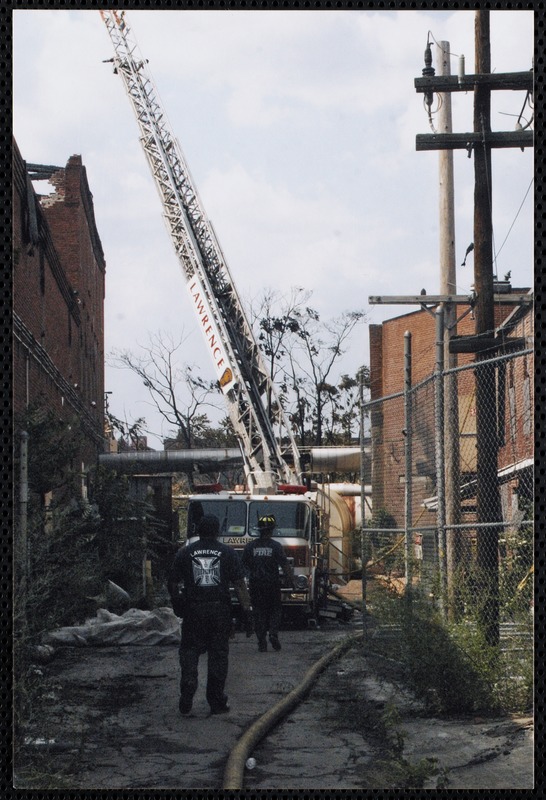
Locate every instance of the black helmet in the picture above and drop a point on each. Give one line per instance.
(266, 522)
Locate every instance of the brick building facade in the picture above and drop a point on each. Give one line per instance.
(516, 436)
(58, 300)
(513, 415)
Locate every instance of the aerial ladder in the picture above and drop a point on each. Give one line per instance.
(269, 451)
(268, 448)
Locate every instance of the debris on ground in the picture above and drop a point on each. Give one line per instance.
(134, 627)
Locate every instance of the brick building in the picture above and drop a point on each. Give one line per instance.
(513, 415)
(58, 300)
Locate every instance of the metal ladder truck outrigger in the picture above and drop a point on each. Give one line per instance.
(270, 455)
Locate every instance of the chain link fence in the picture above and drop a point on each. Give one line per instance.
(452, 495)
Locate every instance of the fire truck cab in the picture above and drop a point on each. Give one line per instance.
(297, 529)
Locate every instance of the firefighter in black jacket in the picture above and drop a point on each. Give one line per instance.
(262, 559)
(206, 568)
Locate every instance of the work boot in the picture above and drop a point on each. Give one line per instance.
(184, 705)
(262, 646)
(220, 709)
(275, 644)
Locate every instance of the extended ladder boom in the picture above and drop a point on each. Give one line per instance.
(265, 437)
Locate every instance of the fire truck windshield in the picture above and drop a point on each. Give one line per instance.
(291, 518)
(231, 515)
(240, 517)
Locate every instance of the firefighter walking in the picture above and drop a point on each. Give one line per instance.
(206, 569)
(262, 559)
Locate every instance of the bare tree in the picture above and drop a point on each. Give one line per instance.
(132, 433)
(277, 317)
(303, 353)
(318, 348)
(344, 410)
(177, 391)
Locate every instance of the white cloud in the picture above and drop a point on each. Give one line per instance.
(299, 129)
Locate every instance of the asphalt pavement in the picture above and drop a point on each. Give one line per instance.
(111, 721)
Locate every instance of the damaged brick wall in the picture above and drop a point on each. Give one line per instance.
(58, 346)
(69, 215)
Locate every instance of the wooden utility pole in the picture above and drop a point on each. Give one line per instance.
(487, 497)
(483, 236)
(448, 277)
(448, 287)
(478, 144)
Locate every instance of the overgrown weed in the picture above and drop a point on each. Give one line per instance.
(451, 667)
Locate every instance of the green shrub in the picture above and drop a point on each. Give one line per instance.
(442, 673)
(450, 666)
(66, 550)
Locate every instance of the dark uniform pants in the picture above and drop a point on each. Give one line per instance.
(205, 629)
(267, 606)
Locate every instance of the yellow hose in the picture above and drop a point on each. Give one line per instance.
(234, 770)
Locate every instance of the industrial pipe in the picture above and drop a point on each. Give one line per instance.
(322, 458)
(335, 459)
(226, 455)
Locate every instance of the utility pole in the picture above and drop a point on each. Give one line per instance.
(487, 497)
(479, 143)
(448, 286)
(448, 277)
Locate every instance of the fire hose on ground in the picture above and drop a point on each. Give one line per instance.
(234, 770)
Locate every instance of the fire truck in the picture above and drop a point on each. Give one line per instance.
(269, 452)
(298, 529)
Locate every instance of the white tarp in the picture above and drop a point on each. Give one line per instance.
(160, 626)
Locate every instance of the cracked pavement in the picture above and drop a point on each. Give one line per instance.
(110, 721)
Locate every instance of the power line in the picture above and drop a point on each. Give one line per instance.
(517, 215)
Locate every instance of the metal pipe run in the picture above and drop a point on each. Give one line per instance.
(169, 458)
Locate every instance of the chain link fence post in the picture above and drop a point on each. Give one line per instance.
(439, 451)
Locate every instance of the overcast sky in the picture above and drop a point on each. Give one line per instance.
(299, 129)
